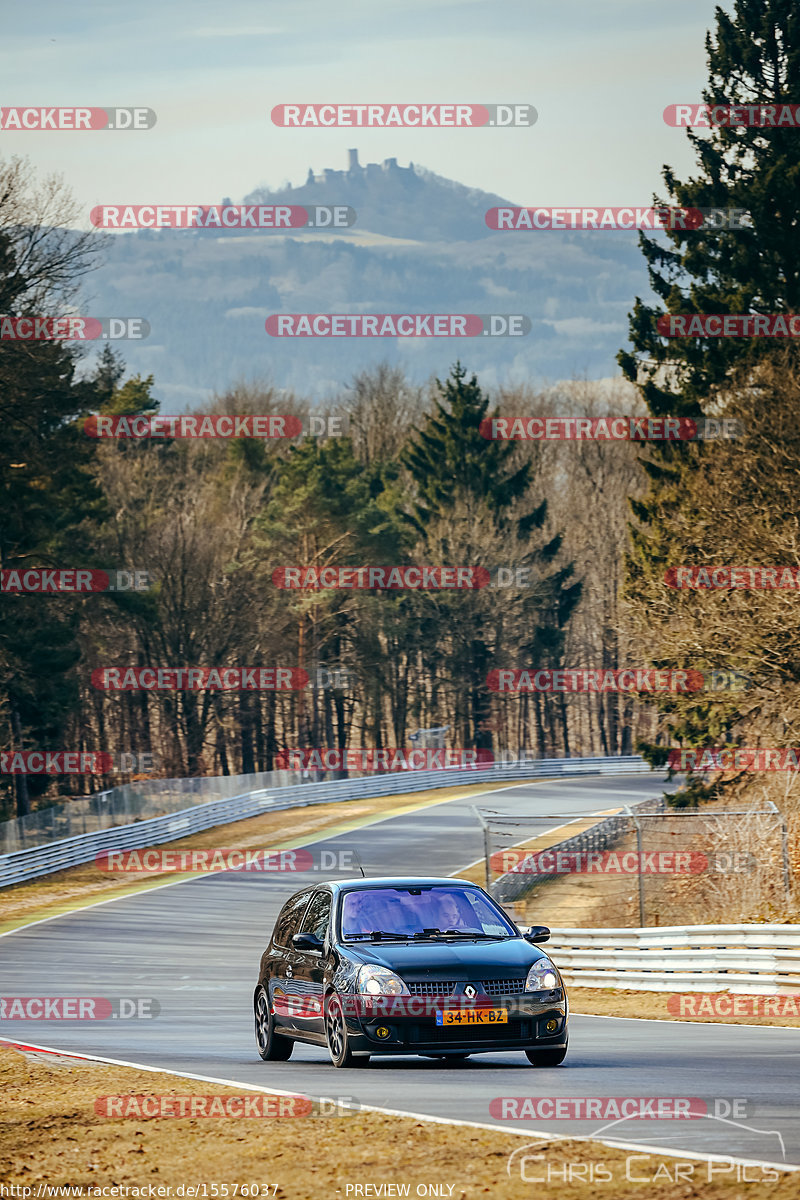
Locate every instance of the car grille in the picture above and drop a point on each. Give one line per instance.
(445, 987)
(504, 987)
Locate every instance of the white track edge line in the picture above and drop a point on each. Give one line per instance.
(394, 1112)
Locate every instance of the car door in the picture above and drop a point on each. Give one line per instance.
(282, 987)
(309, 965)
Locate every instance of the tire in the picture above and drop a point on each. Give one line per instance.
(336, 1036)
(271, 1046)
(546, 1058)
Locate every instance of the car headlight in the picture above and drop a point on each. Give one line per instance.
(380, 981)
(542, 977)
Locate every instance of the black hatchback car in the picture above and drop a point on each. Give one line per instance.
(407, 966)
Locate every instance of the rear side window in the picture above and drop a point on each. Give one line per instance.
(318, 915)
(288, 922)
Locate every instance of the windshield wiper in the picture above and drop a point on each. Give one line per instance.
(378, 935)
(449, 933)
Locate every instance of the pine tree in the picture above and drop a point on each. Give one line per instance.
(49, 502)
(753, 59)
(473, 499)
(108, 373)
(450, 455)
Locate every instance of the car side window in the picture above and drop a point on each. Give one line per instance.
(318, 915)
(288, 922)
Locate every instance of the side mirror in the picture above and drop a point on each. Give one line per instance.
(537, 933)
(306, 941)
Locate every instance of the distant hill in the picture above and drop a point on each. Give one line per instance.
(420, 244)
(398, 202)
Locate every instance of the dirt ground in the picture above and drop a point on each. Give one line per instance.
(51, 1135)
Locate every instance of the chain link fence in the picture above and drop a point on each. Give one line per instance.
(648, 865)
(131, 803)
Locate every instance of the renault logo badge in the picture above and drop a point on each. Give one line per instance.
(470, 991)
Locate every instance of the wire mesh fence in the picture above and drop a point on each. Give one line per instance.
(643, 866)
(130, 803)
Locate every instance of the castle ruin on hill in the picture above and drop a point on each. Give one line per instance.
(356, 171)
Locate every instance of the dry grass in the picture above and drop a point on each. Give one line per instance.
(710, 1007)
(52, 1134)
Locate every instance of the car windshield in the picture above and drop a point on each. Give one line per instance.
(421, 912)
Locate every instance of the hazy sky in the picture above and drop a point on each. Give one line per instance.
(599, 75)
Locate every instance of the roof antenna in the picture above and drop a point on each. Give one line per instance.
(358, 863)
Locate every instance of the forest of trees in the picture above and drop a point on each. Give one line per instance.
(413, 481)
(209, 521)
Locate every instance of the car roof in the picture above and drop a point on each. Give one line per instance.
(400, 881)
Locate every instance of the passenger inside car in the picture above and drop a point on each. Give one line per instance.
(365, 912)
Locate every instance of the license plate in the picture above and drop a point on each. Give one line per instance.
(472, 1016)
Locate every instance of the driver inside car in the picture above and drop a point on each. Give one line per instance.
(451, 914)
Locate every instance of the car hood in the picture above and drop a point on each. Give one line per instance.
(451, 960)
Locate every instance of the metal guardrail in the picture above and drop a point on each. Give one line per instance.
(678, 958)
(31, 863)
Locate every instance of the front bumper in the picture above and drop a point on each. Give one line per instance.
(379, 1026)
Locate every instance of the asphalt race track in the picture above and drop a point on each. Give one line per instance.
(194, 946)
